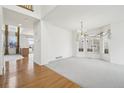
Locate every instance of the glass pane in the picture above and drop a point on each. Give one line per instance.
(81, 45)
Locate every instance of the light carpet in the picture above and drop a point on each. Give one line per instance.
(90, 73)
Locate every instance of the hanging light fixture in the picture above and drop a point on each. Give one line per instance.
(81, 28)
(85, 34)
(82, 33)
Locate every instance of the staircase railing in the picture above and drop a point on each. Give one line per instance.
(28, 7)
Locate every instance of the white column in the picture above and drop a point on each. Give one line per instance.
(1, 42)
(85, 46)
(101, 47)
(40, 53)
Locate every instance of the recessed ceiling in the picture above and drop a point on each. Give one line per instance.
(16, 19)
(93, 16)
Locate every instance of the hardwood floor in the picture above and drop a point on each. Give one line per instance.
(25, 74)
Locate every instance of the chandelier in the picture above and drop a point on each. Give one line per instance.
(82, 33)
(85, 34)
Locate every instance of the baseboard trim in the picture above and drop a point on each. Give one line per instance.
(60, 59)
(38, 63)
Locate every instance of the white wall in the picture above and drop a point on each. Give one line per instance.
(37, 42)
(117, 44)
(47, 9)
(24, 42)
(59, 42)
(51, 42)
(1, 41)
(75, 44)
(40, 43)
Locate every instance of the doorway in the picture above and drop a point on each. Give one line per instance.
(19, 36)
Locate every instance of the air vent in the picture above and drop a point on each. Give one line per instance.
(59, 57)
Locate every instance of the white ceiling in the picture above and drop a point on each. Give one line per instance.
(14, 18)
(47, 9)
(94, 16)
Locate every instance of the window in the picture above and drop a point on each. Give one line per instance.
(81, 45)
